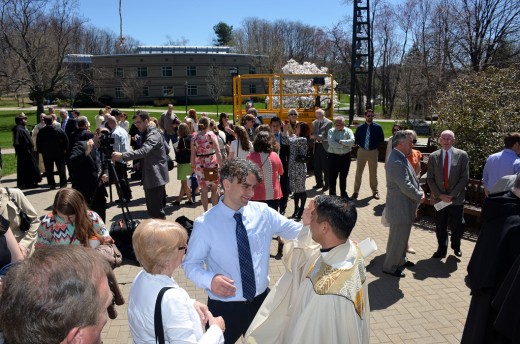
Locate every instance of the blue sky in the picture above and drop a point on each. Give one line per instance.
(152, 20)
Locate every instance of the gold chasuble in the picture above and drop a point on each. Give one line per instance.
(321, 298)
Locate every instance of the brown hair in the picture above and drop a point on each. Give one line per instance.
(71, 202)
(192, 113)
(242, 137)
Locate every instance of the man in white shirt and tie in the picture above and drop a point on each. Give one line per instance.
(228, 252)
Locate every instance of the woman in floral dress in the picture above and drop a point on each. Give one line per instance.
(205, 153)
(297, 169)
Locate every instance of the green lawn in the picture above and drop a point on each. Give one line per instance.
(9, 164)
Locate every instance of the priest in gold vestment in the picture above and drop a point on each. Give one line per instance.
(323, 296)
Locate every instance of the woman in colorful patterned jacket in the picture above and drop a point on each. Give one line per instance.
(71, 222)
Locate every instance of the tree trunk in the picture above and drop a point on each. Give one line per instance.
(40, 103)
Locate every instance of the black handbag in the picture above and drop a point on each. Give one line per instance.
(302, 158)
(121, 231)
(170, 163)
(25, 221)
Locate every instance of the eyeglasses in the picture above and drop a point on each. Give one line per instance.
(291, 114)
(183, 248)
(414, 141)
(369, 116)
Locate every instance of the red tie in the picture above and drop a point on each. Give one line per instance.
(446, 163)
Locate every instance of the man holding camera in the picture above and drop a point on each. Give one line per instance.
(152, 154)
(121, 145)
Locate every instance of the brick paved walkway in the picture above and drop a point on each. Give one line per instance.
(428, 306)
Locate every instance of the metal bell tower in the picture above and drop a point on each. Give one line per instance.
(362, 64)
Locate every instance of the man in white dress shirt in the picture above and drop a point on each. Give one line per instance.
(215, 261)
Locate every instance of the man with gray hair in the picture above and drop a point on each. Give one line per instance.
(59, 295)
(228, 253)
(320, 129)
(448, 175)
(402, 198)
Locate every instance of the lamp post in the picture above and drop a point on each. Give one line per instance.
(186, 96)
(233, 71)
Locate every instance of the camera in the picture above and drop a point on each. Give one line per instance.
(106, 143)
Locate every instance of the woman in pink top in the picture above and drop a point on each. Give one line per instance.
(270, 165)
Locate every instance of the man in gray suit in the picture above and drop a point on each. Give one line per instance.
(448, 174)
(154, 165)
(320, 128)
(402, 198)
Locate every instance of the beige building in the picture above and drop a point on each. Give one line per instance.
(178, 73)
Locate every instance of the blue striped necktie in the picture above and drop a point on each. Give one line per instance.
(367, 138)
(246, 261)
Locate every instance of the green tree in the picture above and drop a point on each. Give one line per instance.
(480, 108)
(224, 34)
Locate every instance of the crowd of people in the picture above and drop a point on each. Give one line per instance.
(245, 175)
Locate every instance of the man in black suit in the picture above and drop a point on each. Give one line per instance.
(52, 143)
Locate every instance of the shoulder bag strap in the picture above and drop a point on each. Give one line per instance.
(13, 200)
(157, 317)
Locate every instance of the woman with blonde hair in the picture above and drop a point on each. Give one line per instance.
(205, 159)
(241, 147)
(71, 222)
(159, 246)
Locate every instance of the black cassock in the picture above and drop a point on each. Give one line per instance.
(27, 169)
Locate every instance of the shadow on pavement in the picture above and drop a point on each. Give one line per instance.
(384, 290)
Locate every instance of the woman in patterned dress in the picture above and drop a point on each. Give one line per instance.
(205, 153)
(71, 222)
(297, 169)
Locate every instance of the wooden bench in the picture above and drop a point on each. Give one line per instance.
(475, 197)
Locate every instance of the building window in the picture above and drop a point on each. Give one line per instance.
(142, 72)
(192, 90)
(119, 92)
(167, 91)
(191, 71)
(252, 89)
(145, 91)
(167, 71)
(252, 70)
(118, 73)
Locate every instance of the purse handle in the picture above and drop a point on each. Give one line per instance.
(157, 317)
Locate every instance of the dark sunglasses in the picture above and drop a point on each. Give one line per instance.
(414, 141)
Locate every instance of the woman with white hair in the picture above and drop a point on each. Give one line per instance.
(160, 246)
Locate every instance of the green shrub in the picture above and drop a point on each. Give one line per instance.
(480, 108)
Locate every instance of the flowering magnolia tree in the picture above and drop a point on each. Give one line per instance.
(299, 85)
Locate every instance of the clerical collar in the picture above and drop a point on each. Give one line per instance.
(324, 250)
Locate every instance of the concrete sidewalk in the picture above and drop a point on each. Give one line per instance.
(429, 305)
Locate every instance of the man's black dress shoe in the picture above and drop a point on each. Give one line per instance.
(458, 253)
(439, 255)
(396, 273)
(317, 186)
(409, 264)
